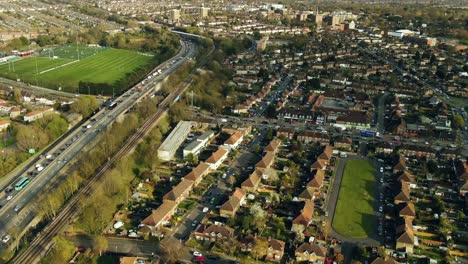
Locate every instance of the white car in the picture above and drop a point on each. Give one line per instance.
(381, 169)
(205, 209)
(380, 209)
(6, 238)
(224, 175)
(9, 197)
(197, 254)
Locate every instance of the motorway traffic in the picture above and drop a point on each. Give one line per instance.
(23, 187)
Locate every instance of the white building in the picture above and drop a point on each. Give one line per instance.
(170, 145)
(174, 15)
(401, 33)
(196, 146)
(35, 115)
(4, 124)
(217, 158)
(234, 141)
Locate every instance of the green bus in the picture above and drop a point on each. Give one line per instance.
(21, 183)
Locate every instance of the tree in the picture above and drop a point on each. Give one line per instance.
(259, 215)
(272, 175)
(298, 231)
(17, 97)
(100, 244)
(269, 134)
(62, 252)
(170, 250)
(177, 112)
(192, 158)
(30, 137)
(256, 148)
(261, 247)
(458, 121)
(57, 127)
(85, 105)
(431, 166)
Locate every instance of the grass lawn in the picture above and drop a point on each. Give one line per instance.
(354, 214)
(105, 67)
(72, 51)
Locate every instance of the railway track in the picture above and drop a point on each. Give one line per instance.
(43, 241)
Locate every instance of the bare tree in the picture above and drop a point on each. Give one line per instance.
(100, 244)
(170, 250)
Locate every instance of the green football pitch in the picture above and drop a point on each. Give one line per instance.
(354, 214)
(106, 66)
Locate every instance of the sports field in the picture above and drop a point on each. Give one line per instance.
(354, 214)
(106, 67)
(73, 52)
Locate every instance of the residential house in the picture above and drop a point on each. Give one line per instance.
(179, 192)
(311, 136)
(197, 173)
(326, 154)
(4, 124)
(247, 243)
(38, 114)
(400, 166)
(380, 260)
(131, 260)
(317, 182)
(234, 141)
(15, 112)
(417, 151)
(235, 201)
(405, 175)
(266, 161)
(403, 195)
(287, 133)
(383, 147)
(305, 218)
(408, 211)
(275, 250)
(318, 165)
(162, 214)
(311, 253)
(343, 143)
(273, 146)
(450, 153)
(307, 194)
(5, 107)
(405, 236)
(355, 119)
(252, 183)
(214, 233)
(217, 158)
(463, 179)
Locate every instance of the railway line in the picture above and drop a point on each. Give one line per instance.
(43, 241)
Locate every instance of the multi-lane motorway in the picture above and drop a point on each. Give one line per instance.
(15, 212)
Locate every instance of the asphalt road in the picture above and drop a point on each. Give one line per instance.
(381, 113)
(69, 147)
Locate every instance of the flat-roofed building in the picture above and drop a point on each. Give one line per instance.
(170, 145)
(196, 146)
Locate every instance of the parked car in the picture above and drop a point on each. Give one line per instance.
(6, 238)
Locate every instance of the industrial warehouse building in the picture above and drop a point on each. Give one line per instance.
(196, 146)
(169, 147)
